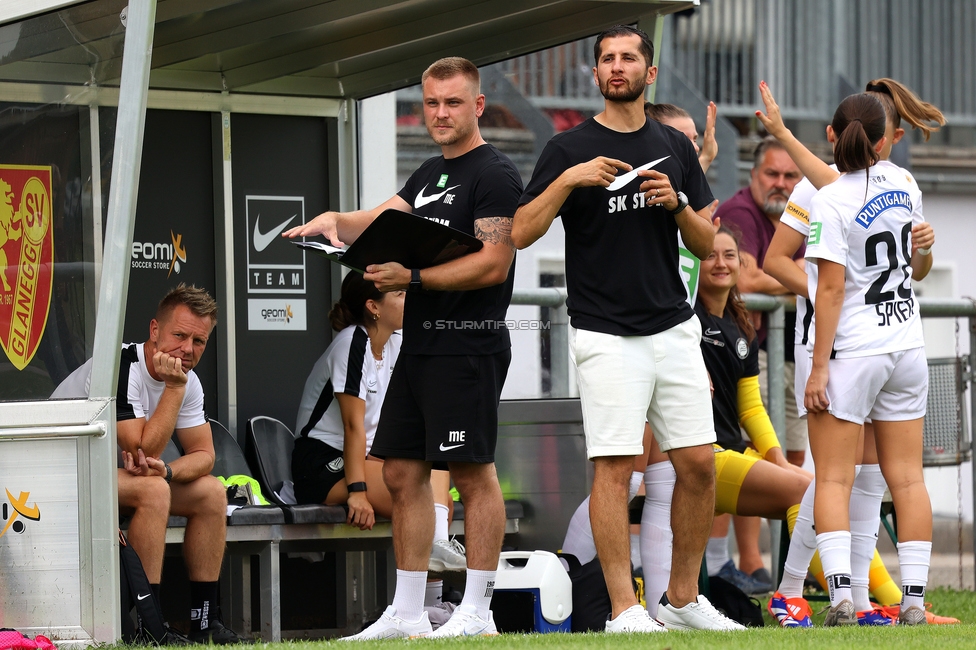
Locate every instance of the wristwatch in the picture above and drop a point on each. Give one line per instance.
(682, 203)
(169, 473)
(415, 283)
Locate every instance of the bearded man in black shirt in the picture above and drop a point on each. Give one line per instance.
(625, 188)
(441, 408)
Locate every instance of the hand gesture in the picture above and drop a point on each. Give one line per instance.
(600, 171)
(922, 236)
(324, 224)
(657, 189)
(360, 511)
(709, 148)
(142, 465)
(169, 369)
(772, 121)
(391, 276)
(815, 396)
(708, 211)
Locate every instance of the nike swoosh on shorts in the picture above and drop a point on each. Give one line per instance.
(263, 239)
(443, 448)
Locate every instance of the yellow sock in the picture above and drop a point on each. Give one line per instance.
(882, 587)
(791, 514)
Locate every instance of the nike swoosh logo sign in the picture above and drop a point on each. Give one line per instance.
(712, 332)
(143, 597)
(623, 179)
(443, 448)
(263, 239)
(422, 200)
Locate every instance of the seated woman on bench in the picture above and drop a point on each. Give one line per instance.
(339, 411)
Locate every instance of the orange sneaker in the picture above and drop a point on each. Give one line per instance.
(930, 617)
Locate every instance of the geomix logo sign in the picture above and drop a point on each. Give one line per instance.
(16, 511)
(169, 257)
(274, 264)
(26, 259)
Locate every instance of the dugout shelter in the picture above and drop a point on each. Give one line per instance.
(152, 142)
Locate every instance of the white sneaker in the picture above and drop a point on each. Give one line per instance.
(391, 626)
(699, 615)
(447, 556)
(633, 619)
(466, 622)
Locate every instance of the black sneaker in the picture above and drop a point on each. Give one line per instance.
(217, 634)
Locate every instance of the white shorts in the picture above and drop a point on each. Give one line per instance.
(887, 387)
(625, 380)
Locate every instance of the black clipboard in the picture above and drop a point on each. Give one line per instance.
(397, 236)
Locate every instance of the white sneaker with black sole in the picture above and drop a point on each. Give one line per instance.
(391, 626)
(447, 556)
(465, 622)
(633, 619)
(698, 615)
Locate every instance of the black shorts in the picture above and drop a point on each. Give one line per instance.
(442, 408)
(315, 468)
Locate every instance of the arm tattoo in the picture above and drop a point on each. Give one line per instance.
(494, 230)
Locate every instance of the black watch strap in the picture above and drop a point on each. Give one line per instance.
(358, 486)
(682, 203)
(169, 474)
(415, 283)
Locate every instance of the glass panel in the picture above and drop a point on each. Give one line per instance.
(47, 290)
(80, 45)
(47, 231)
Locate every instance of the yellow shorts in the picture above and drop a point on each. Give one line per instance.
(731, 468)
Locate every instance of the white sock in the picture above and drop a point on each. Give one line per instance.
(655, 535)
(913, 560)
(440, 521)
(635, 557)
(835, 556)
(717, 554)
(478, 589)
(636, 480)
(803, 544)
(434, 593)
(866, 495)
(579, 535)
(408, 599)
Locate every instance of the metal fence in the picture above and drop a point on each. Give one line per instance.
(811, 53)
(947, 438)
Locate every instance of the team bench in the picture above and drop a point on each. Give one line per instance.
(268, 531)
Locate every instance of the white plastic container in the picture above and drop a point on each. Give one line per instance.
(544, 576)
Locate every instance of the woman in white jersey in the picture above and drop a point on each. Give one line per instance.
(868, 357)
(869, 571)
(340, 408)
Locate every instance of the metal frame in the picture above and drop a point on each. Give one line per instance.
(776, 307)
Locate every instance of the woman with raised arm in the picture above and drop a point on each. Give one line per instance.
(868, 357)
(869, 572)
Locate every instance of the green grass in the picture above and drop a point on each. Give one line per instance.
(960, 604)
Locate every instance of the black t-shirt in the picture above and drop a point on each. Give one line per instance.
(728, 358)
(481, 183)
(622, 270)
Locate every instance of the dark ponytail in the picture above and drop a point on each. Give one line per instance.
(858, 124)
(735, 307)
(351, 307)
